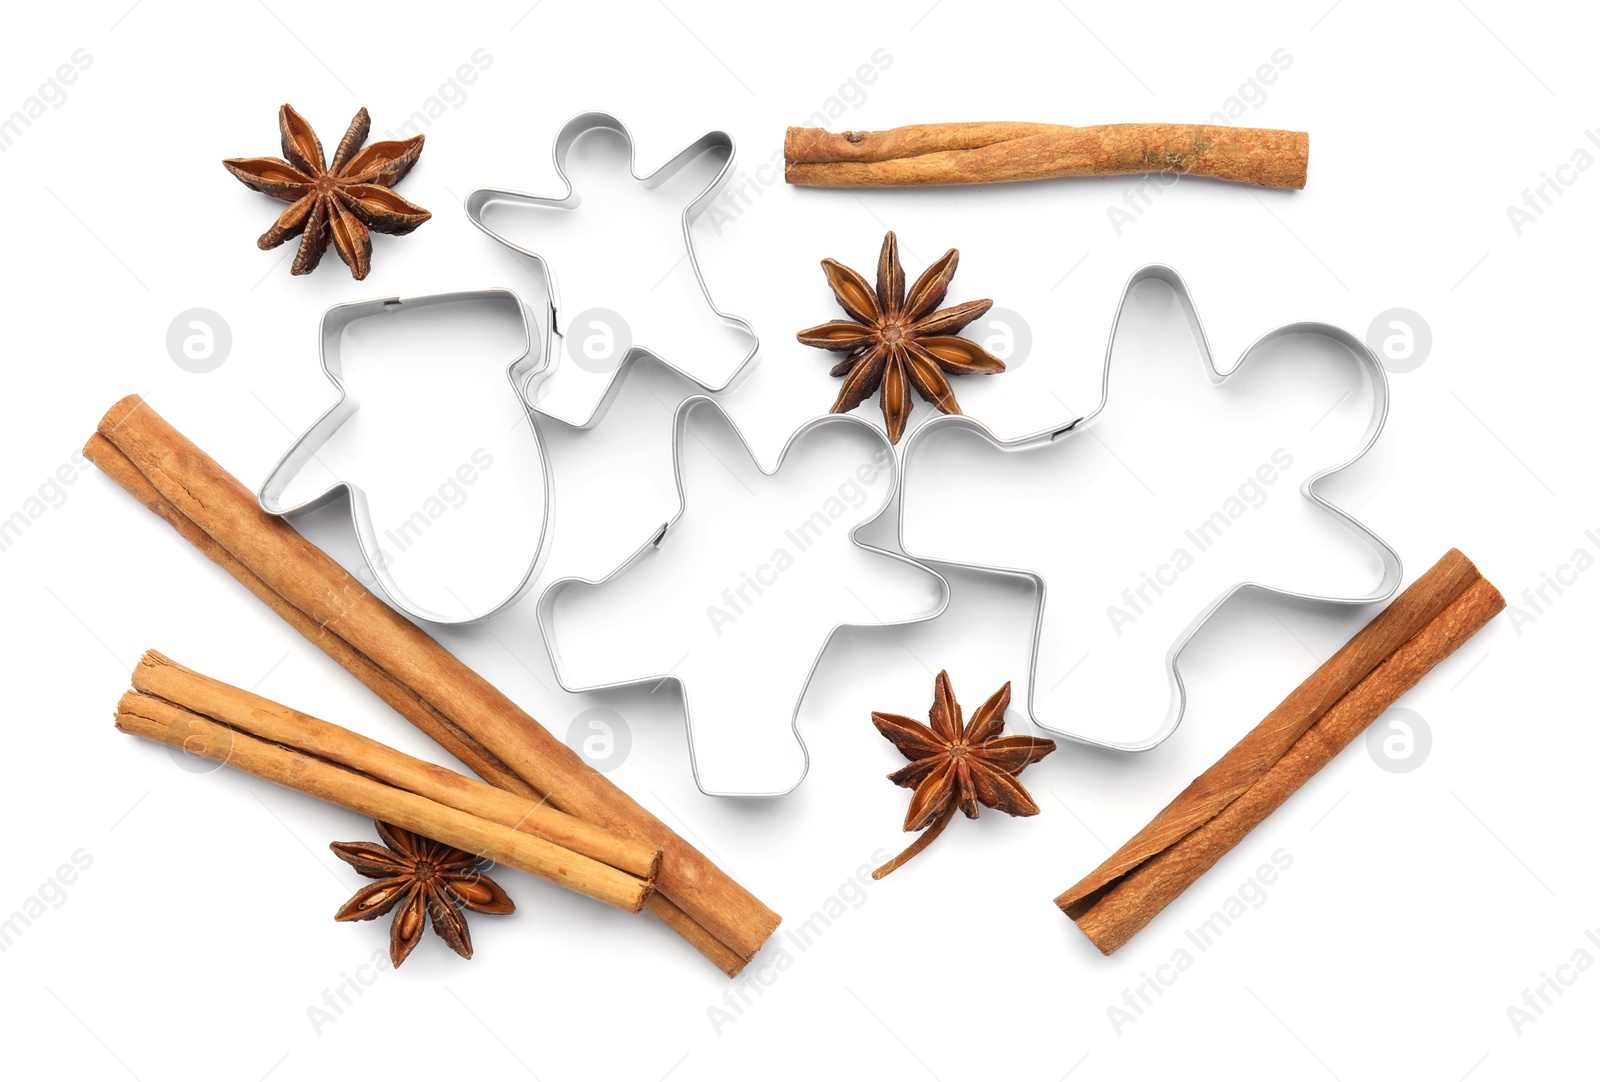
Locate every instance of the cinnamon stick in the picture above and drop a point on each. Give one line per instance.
(409, 670)
(260, 717)
(989, 152)
(170, 724)
(406, 702)
(1430, 620)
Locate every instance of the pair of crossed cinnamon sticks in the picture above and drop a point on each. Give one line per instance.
(424, 682)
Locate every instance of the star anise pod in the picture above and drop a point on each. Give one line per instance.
(897, 341)
(954, 767)
(339, 202)
(424, 878)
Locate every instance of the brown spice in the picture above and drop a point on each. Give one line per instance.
(246, 712)
(1424, 625)
(955, 766)
(897, 341)
(340, 202)
(178, 726)
(989, 152)
(412, 672)
(420, 876)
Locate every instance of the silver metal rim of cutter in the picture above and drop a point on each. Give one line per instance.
(304, 449)
(480, 200)
(891, 500)
(1392, 568)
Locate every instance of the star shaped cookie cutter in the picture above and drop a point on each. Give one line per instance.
(598, 643)
(481, 200)
(303, 451)
(1388, 579)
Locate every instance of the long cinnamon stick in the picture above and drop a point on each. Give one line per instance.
(1266, 744)
(260, 717)
(1434, 617)
(430, 686)
(170, 724)
(989, 152)
(406, 702)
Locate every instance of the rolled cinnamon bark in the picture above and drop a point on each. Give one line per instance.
(990, 152)
(409, 670)
(1434, 617)
(406, 702)
(261, 717)
(167, 723)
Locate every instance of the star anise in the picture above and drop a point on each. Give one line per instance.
(954, 767)
(897, 341)
(338, 202)
(425, 878)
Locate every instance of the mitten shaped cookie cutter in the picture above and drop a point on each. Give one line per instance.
(304, 449)
(1146, 588)
(744, 621)
(480, 201)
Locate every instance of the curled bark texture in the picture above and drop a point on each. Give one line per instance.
(243, 711)
(169, 723)
(989, 152)
(427, 684)
(1426, 624)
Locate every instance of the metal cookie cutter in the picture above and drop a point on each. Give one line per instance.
(304, 449)
(478, 203)
(1174, 550)
(745, 653)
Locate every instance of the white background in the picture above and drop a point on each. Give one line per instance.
(198, 942)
